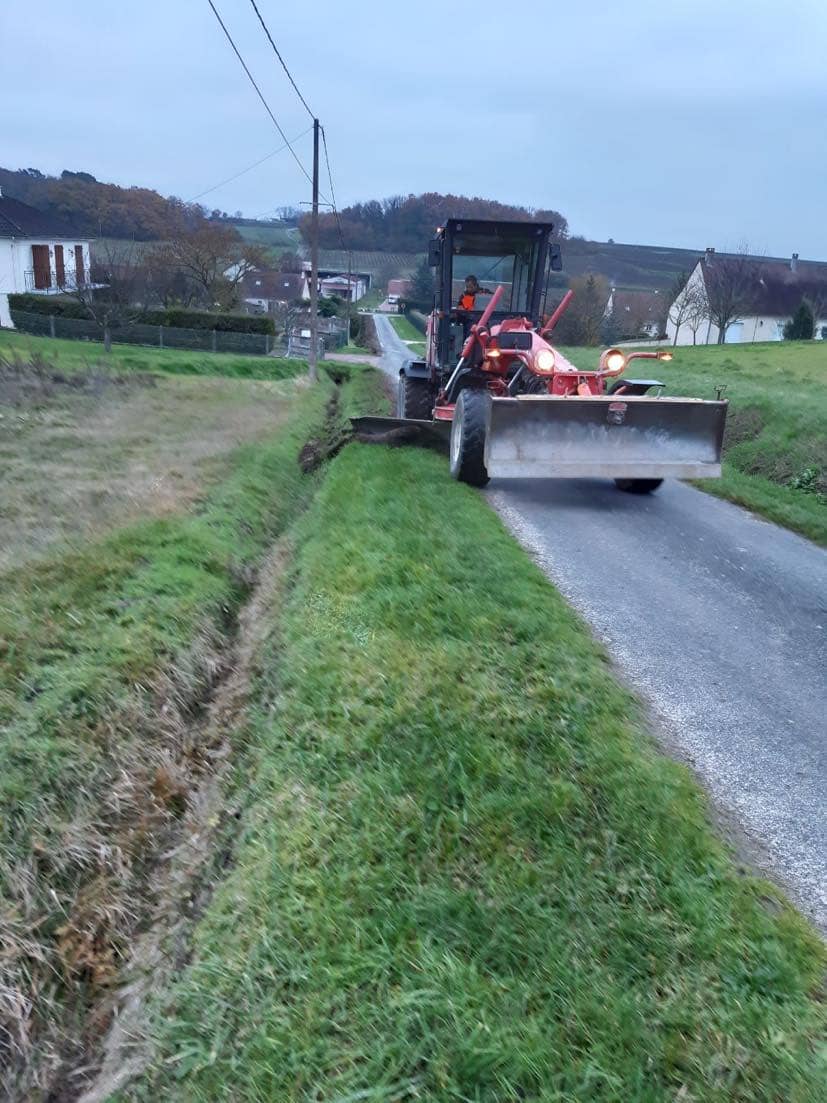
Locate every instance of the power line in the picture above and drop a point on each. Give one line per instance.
(255, 164)
(281, 59)
(259, 93)
(333, 193)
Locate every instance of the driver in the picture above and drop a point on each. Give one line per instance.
(472, 289)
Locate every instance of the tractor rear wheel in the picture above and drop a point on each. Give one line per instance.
(415, 398)
(468, 430)
(638, 486)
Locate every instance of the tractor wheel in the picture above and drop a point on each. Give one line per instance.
(638, 486)
(468, 437)
(415, 398)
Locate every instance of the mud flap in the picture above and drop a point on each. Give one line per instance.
(628, 437)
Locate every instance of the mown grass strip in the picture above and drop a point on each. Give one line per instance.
(105, 656)
(775, 446)
(71, 356)
(466, 873)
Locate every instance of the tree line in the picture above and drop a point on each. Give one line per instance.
(97, 209)
(403, 224)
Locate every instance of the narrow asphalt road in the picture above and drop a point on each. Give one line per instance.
(718, 620)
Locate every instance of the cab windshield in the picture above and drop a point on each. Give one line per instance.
(496, 260)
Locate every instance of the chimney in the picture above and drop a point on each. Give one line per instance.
(794, 263)
(710, 253)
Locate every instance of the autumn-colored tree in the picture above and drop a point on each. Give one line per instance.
(214, 259)
(404, 223)
(102, 210)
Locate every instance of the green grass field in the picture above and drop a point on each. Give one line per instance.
(107, 653)
(74, 355)
(414, 339)
(776, 440)
(464, 871)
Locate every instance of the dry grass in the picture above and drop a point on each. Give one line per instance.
(82, 452)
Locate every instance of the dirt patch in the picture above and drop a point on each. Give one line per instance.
(83, 453)
(742, 424)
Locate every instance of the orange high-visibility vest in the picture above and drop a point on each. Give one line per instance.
(466, 302)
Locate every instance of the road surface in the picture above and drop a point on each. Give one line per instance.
(718, 620)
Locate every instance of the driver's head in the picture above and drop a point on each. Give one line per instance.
(472, 285)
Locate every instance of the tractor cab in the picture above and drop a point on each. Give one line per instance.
(513, 255)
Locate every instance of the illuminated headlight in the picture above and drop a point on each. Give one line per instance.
(615, 361)
(544, 360)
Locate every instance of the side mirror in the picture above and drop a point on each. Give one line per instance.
(434, 253)
(556, 256)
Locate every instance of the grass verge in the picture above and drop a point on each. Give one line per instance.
(78, 355)
(409, 334)
(465, 873)
(106, 658)
(775, 448)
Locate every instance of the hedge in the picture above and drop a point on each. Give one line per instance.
(64, 306)
(199, 319)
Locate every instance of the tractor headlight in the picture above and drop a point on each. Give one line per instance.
(616, 361)
(544, 360)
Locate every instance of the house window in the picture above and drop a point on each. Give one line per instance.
(42, 267)
(80, 277)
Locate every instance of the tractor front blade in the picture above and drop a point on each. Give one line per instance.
(628, 437)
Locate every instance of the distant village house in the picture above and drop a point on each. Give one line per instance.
(765, 293)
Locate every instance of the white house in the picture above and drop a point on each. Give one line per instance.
(766, 292)
(38, 253)
(344, 287)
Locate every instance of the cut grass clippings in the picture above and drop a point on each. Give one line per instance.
(106, 657)
(775, 446)
(465, 872)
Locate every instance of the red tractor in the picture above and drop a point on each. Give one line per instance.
(512, 404)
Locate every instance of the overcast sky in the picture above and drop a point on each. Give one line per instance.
(682, 123)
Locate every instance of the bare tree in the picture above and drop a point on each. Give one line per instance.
(697, 309)
(118, 287)
(729, 288)
(679, 302)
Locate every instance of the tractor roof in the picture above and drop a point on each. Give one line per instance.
(490, 237)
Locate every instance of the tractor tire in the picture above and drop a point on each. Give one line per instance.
(415, 398)
(468, 431)
(638, 486)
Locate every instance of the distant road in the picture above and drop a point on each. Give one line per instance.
(718, 620)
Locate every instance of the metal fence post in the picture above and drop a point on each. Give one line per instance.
(214, 342)
(160, 337)
(51, 325)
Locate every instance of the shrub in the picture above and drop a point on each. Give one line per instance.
(200, 319)
(62, 306)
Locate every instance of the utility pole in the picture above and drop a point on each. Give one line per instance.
(314, 262)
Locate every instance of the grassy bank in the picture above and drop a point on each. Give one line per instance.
(78, 355)
(464, 872)
(776, 440)
(106, 657)
(409, 334)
